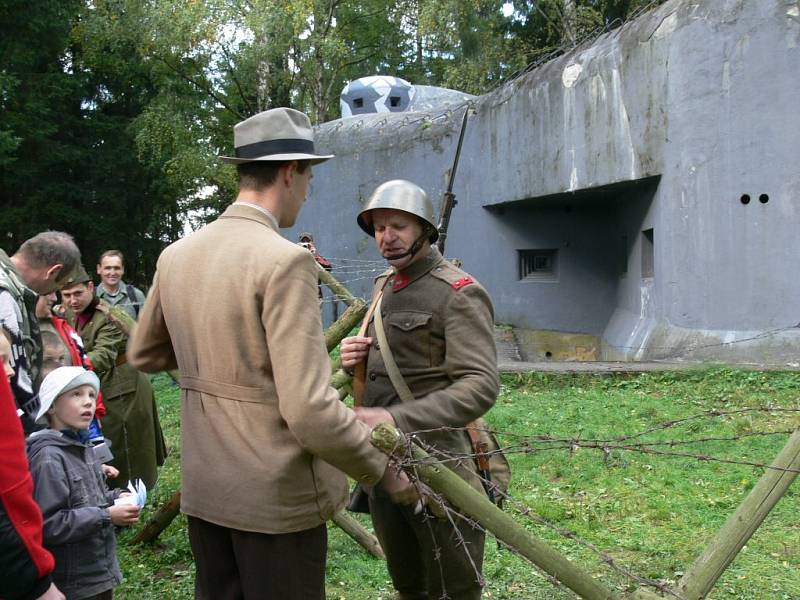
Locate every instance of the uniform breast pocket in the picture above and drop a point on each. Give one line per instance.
(409, 335)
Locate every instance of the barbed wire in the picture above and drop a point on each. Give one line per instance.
(527, 444)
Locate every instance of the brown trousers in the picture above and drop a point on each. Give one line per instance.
(425, 557)
(244, 565)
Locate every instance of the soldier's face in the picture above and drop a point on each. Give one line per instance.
(111, 271)
(78, 297)
(395, 233)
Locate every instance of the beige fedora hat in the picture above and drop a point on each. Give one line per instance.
(277, 134)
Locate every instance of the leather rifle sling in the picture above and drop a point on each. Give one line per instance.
(360, 370)
(400, 385)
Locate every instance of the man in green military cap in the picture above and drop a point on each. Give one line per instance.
(131, 422)
(439, 329)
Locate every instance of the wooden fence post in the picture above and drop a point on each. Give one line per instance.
(344, 324)
(743, 523)
(475, 504)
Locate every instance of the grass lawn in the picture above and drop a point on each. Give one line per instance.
(653, 514)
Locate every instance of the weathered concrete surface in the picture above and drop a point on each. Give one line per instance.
(663, 124)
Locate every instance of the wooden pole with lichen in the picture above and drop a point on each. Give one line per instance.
(700, 578)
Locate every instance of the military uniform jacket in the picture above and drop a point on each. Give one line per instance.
(264, 436)
(439, 323)
(131, 421)
(104, 343)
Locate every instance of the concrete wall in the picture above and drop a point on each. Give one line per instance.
(663, 124)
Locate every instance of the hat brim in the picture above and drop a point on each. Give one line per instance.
(314, 158)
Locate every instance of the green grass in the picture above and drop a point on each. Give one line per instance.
(653, 514)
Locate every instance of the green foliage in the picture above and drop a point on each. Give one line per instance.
(653, 514)
(112, 121)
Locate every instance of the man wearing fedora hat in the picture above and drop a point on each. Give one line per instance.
(264, 436)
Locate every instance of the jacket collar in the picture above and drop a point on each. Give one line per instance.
(416, 270)
(10, 273)
(239, 210)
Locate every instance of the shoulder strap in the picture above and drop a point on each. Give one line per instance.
(396, 377)
(129, 289)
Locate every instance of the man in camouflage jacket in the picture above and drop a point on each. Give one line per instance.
(38, 267)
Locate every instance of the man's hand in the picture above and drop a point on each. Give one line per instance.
(354, 350)
(373, 416)
(399, 487)
(109, 471)
(124, 514)
(52, 593)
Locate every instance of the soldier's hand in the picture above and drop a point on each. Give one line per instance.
(373, 416)
(399, 487)
(354, 350)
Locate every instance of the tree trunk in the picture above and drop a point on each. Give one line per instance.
(570, 28)
(159, 521)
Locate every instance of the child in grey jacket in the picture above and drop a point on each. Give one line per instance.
(69, 486)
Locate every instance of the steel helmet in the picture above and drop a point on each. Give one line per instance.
(399, 194)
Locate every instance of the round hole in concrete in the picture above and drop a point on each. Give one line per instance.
(745, 199)
(548, 354)
(763, 198)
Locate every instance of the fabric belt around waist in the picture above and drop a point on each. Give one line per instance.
(240, 393)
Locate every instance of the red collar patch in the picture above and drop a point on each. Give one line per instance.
(460, 283)
(401, 280)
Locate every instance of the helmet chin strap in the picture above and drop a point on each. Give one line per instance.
(415, 247)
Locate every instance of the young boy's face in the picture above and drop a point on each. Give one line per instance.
(73, 409)
(5, 356)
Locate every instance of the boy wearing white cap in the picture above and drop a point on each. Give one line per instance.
(69, 486)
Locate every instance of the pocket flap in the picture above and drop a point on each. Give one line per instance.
(406, 320)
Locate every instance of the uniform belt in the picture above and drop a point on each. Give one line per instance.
(121, 359)
(220, 389)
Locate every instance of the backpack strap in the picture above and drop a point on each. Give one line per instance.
(129, 289)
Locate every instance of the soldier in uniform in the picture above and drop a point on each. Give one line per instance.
(131, 421)
(439, 324)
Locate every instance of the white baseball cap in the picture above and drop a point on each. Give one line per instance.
(60, 381)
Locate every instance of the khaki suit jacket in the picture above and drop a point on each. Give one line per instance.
(264, 437)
